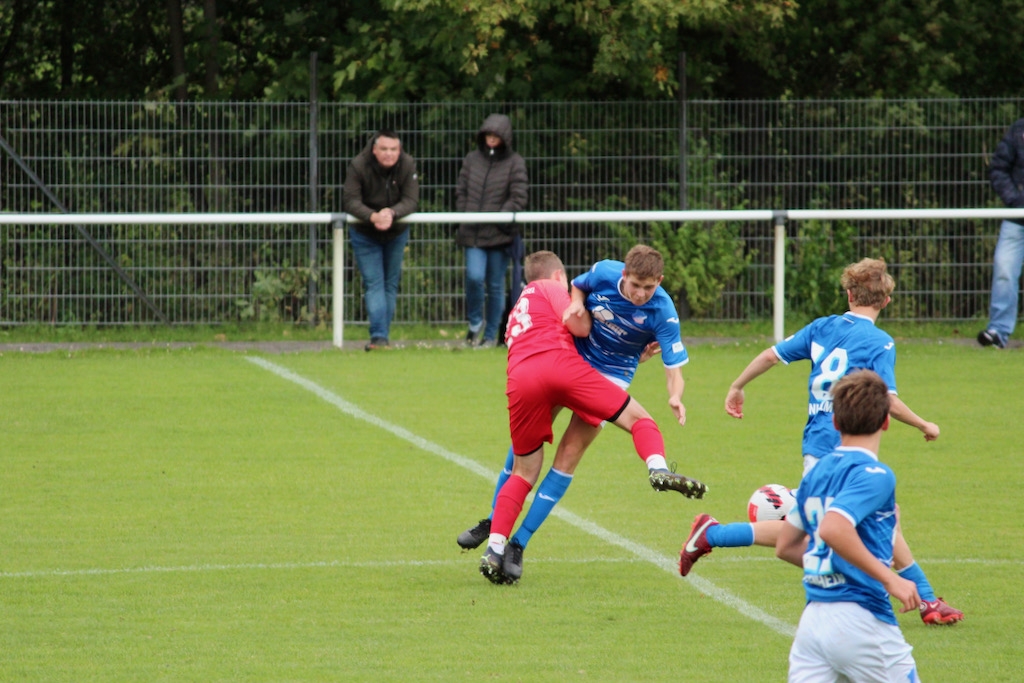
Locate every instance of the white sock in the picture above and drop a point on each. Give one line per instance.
(656, 462)
(497, 543)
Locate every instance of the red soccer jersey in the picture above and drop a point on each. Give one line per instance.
(535, 324)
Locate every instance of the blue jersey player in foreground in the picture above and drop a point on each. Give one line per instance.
(835, 345)
(633, 316)
(841, 533)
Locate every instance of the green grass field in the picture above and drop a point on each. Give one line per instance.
(202, 515)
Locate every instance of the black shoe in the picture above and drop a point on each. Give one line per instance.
(490, 567)
(376, 343)
(471, 337)
(512, 565)
(665, 480)
(991, 338)
(472, 538)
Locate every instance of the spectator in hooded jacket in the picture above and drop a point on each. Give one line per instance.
(381, 186)
(1006, 172)
(493, 178)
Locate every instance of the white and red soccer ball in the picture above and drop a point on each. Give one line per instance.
(771, 501)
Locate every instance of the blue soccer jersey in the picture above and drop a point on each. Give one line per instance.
(853, 483)
(621, 329)
(836, 345)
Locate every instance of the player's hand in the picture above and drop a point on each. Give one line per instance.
(679, 410)
(575, 309)
(903, 590)
(734, 403)
(931, 431)
(650, 351)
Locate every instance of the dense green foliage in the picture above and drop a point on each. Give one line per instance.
(430, 50)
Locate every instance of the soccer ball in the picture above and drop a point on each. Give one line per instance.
(771, 501)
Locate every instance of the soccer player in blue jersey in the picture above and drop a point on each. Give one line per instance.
(846, 507)
(631, 314)
(835, 345)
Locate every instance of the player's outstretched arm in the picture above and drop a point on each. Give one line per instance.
(764, 362)
(902, 412)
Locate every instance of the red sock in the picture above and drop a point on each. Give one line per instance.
(509, 505)
(647, 438)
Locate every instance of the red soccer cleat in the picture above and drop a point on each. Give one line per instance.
(938, 612)
(696, 545)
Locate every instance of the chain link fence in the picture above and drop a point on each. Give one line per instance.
(137, 157)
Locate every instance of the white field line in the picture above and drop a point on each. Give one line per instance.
(642, 552)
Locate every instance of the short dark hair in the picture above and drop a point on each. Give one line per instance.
(386, 133)
(860, 403)
(541, 265)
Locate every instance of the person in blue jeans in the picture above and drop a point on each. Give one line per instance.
(493, 178)
(1006, 171)
(381, 187)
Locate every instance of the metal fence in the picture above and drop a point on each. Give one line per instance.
(248, 157)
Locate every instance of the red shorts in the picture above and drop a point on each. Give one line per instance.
(538, 384)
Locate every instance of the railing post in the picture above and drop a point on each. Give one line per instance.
(779, 300)
(338, 279)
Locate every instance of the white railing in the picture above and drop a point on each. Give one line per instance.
(338, 221)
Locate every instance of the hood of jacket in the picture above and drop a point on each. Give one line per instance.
(496, 124)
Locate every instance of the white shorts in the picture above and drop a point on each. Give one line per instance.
(842, 641)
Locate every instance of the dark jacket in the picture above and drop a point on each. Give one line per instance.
(370, 188)
(491, 180)
(1006, 169)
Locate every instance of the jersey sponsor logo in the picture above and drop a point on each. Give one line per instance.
(875, 470)
(639, 318)
(601, 313)
(677, 347)
(673, 320)
(889, 345)
(600, 297)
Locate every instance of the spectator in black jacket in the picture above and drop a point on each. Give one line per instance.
(381, 186)
(1006, 172)
(493, 178)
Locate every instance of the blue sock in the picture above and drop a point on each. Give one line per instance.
(735, 535)
(916, 574)
(545, 498)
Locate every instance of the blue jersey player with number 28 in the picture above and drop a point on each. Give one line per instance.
(846, 507)
(835, 345)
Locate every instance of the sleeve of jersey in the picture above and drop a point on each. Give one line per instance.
(795, 347)
(866, 489)
(885, 366)
(582, 282)
(673, 351)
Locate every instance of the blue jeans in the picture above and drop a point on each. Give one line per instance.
(380, 265)
(1006, 267)
(485, 269)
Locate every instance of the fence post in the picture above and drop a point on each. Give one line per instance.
(338, 279)
(314, 182)
(779, 299)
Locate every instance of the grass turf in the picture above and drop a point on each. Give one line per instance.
(189, 515)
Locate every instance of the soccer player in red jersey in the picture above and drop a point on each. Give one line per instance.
(545, 373)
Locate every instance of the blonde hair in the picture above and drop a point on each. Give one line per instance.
(868, 283)
(644, 263)
(541, 265)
